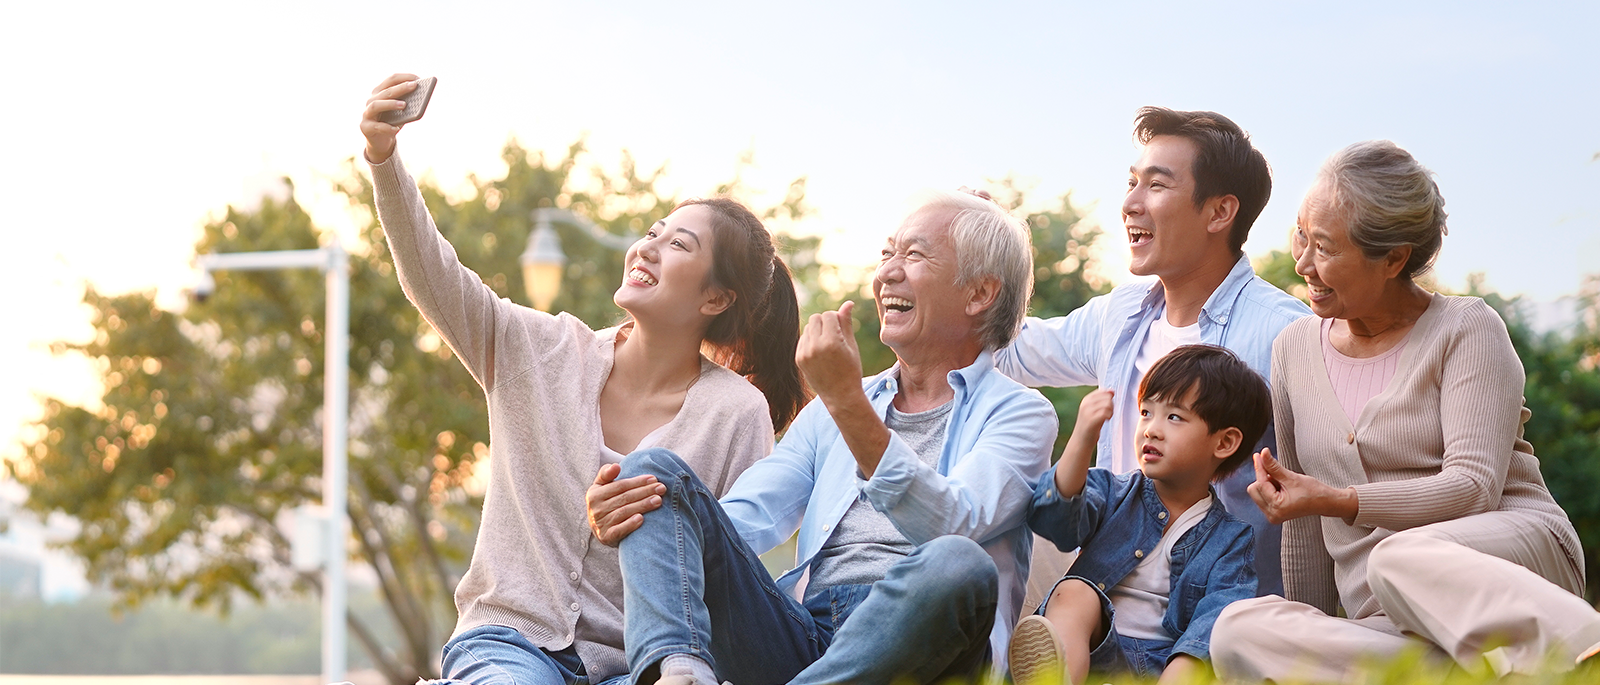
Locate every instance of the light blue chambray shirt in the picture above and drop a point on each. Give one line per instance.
(996, 447)
(1097, 343)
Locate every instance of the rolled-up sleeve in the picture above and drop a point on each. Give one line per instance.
(988, 488)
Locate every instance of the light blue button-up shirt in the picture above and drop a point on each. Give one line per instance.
(996, 447)
(1097, 343)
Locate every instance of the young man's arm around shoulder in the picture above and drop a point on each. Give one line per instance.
(1058, 352)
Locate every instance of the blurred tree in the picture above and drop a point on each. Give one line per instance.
(209, 431)
(1277, 268)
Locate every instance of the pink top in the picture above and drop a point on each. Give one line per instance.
(1356, 381)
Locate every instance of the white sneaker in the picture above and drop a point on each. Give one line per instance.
(1035, 653)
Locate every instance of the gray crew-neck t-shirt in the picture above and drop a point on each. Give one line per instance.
(865, 543)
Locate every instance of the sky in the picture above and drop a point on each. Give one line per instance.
(125, 126)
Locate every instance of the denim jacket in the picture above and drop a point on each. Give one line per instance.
(1117, 519)
(996, 445)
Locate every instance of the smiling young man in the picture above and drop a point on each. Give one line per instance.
(1193, 193)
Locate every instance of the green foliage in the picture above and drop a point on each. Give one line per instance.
(210, 431)
(1277, 268)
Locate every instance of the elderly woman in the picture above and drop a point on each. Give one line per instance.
(1407, 493)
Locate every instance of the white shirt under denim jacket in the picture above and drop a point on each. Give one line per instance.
(996, 447)
(1097, 343)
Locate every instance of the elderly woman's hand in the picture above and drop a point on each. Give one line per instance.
(1284, 495)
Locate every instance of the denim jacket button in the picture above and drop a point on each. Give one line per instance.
(1138, 554)
(1102, 586)
(1162, 516)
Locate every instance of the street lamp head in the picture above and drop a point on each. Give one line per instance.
(203, 286)
(542, 264)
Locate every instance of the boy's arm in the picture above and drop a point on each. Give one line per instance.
(1073, 467)
(1064, 509)
(1232, 578)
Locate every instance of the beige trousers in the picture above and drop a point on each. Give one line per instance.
(1494, 588)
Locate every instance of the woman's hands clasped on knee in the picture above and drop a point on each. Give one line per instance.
(617, 507)
(385, 98)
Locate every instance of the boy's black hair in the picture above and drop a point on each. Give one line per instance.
(1228, 394)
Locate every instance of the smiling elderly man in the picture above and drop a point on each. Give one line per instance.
(909, 490)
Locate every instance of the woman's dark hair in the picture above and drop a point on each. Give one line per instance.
(1228, 394)
(757, 334)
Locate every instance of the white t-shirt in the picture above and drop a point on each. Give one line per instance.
(1162, 338)
(1141, 598)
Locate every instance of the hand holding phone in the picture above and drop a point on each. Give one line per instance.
(416, 103)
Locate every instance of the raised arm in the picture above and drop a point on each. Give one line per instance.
(991, 482)
(452, 298)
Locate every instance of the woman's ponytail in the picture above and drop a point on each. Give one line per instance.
(769, 349)
(757, 336)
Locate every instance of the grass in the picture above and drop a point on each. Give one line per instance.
(1412, 668)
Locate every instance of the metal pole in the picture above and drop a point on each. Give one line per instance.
(335, 265)
(335, 467)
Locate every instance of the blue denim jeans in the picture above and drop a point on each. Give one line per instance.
(1118, 653)
(498, 655)
(692, 586)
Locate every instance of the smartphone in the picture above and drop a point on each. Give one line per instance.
(416, 103)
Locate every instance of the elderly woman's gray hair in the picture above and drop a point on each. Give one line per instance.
(990, 243)
(1390, 200)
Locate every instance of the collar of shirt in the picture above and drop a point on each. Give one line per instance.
(1218, 307)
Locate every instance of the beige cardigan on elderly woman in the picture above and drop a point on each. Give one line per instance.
(536, 567)
(1442, 441)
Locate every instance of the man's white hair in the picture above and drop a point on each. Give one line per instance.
(990, 243)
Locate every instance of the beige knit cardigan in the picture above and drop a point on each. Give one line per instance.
(536, 567)
(1442, 441)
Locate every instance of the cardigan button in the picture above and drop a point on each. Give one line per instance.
(1350, 439)
(574, 606)
(1138, 554)
(573, 575)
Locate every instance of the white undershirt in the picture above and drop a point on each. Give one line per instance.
(1162, 338)
(612, 456)
(1141, 598)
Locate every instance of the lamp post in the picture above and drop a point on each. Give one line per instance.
(335, 265)
(543, 261)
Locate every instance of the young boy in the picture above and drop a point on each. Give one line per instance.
(1160, 555)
